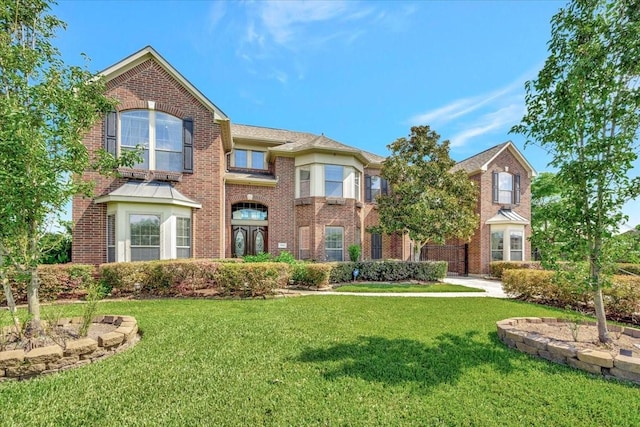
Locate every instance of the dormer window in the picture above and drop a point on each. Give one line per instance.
(167, 141)
(506, 188)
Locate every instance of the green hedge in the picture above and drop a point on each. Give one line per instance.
(621, 299)
(186, 277)
(311, 274)
(497, 267)
(388, 271)
(57, 281)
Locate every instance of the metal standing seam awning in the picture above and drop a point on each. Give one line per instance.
(148, 192)
(507, 216)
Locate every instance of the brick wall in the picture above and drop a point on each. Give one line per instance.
(133, 89)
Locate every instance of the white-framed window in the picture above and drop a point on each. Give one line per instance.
(248, 159)
(374, 187)
(505, 188)
(334, 243)
(356, 185)
(160, 135)
(304, 179)
(183, 237)
(144, 232)
(497, 245)
(516, 245)
(333, 178)
(507, 242)
(111, 238)
(304, 242)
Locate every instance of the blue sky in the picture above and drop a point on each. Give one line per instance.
(361, 72)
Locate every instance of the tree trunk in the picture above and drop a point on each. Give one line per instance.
(601, 316)
(417, 248)
(34, 303)
(11, 303)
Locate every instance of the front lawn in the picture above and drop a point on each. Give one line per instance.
(330, 360)
(404, 287)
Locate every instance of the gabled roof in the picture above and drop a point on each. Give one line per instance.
(480, 162)
(147, 53)
(290, 142)
(148, 192)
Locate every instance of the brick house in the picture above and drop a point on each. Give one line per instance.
(207, 188)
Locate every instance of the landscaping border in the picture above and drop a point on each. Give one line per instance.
(20, 365)
(596, 362)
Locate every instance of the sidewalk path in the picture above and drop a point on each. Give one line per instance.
(492, 288)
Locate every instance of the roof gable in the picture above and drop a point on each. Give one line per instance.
(480, 162)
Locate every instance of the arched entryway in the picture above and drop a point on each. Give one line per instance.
(249, 229)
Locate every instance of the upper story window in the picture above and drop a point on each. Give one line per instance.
(248, 159)
(167, 141)
(506, 188)
(304, 175)
(333, 176)
(374, 187)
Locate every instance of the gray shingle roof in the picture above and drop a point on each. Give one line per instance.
(292, 141)
(150, 191)
(476, 162)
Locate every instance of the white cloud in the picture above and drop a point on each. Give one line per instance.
(487, 123)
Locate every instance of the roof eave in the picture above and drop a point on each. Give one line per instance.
(146, 200)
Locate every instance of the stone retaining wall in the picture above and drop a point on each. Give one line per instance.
(18, 364)
(565, 353)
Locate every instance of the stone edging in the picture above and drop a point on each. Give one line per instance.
(19, 365)
(562, 352)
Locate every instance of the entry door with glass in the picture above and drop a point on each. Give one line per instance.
(249, 240)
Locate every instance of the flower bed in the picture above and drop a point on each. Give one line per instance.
(20, 364)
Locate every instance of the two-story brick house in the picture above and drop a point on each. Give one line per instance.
(207, 188)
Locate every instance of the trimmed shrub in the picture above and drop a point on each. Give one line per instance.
(388, 271)
(497, 267)
(252, 279)
(309, 274)
(622, 298)
(120, 278)
(57, 281)
(181, 277)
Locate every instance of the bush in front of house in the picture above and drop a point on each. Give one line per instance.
(57, 281)
(497, 267)
(311, 274)
(621, 299)
(251, 279)
(388, 271)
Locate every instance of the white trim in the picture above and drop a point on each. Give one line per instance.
(531, 172)
(145, 200)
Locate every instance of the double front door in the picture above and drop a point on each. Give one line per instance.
(248, 240)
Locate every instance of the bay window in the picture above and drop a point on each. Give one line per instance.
(145, 237)
(333, 177)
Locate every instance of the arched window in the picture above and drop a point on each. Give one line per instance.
(249, 211)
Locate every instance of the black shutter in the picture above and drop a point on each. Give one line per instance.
(376, 246)
(367, 188)
(384, 186)
(187, 145)
(516, 189)
(111, 133)
(495, 187)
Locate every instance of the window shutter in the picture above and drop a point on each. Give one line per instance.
(367, 188)
(516, 189)
(495, 187)
(187, 145)
(111, 132)
(384, 186)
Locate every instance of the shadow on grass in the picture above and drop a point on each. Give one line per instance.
(405, 361)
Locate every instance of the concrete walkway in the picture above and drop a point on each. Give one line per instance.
(492, 288)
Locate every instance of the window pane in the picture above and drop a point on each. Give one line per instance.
(333, 189)
(497, 246)
(240, 157)
(168, 132)
(145, 237)
(356, 185)
(333, 173)
(257, 160)
(168, 161)
(516, 245)
(334, 243)
(134, 128)
(305, 182)
(333, 180)
(505, 188)
(304, 242)
(375, 187)
(111, 238)
(183, 232)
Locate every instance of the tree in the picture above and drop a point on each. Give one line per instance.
(46, 108)
(584, 109)
(546, 205)
(427, 201)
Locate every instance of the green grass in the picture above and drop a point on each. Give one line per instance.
(320, 360)
(405, 287)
